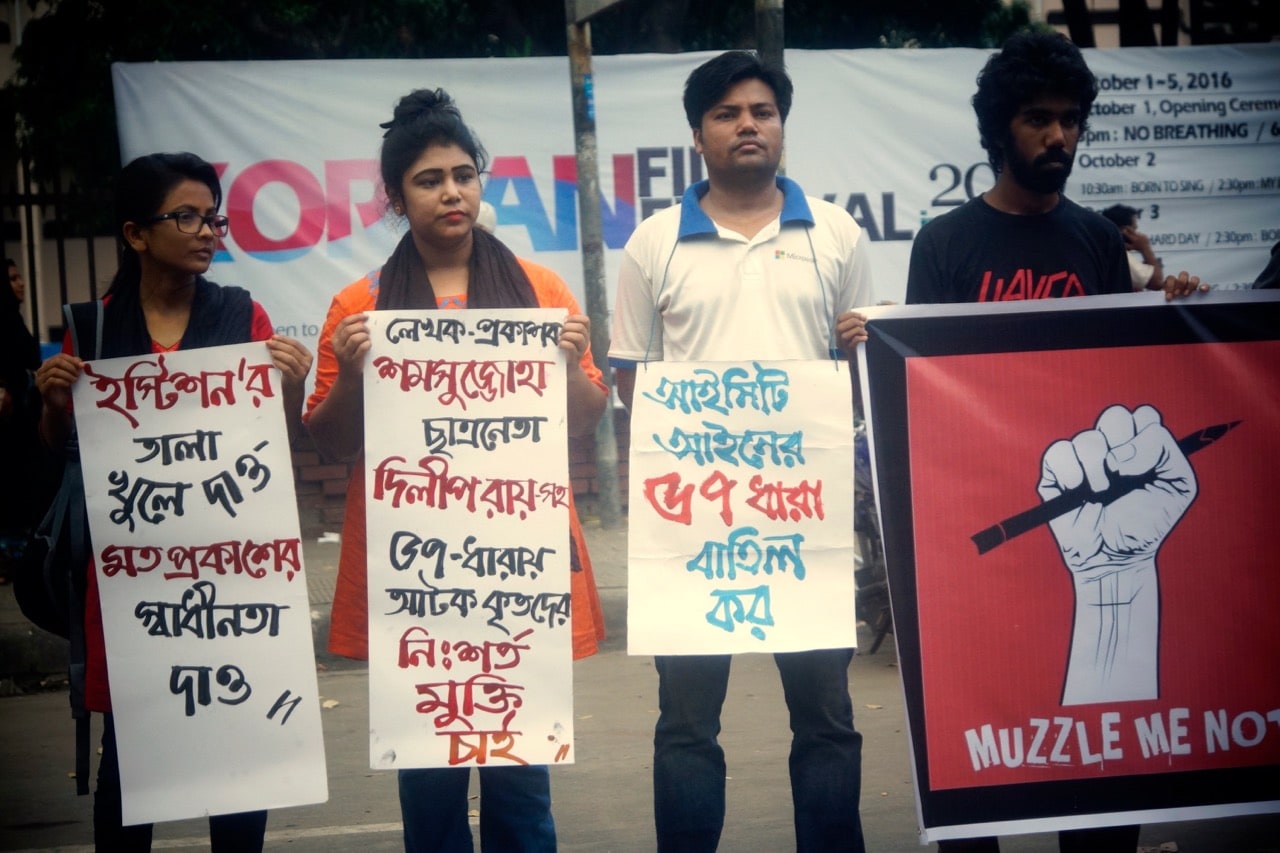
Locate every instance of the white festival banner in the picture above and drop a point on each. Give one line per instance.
(193, 518)
(1188, 135)
(740, 532)
(467, 501)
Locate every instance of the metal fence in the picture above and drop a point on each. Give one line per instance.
(55, 236)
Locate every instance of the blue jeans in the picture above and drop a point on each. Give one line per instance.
(825, 762)
(515, 810)
(228, 833)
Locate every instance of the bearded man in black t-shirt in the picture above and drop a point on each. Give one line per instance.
(1023, 239)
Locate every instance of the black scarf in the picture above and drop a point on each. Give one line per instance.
(495, 278)
(219, 315)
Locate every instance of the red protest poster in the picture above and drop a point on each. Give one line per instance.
(1133, 636)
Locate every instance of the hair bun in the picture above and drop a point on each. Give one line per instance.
(418, 104)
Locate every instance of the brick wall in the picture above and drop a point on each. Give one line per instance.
(582, 458)
(322, 486)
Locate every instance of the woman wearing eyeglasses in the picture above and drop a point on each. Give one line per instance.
(159, 301)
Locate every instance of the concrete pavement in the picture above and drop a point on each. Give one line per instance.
(602, 803)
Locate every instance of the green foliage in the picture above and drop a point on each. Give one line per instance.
(813, 24)
(1004, 21)
(62, 91)
(62, 94)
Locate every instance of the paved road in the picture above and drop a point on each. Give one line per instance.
(602, 803)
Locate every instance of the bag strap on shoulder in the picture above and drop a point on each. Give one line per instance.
(84, 320)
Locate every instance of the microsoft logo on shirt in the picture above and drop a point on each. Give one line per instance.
(784, 255)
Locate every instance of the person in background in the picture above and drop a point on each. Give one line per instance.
(431, 164)
(19, 357)
(1032, 103)
(160, 301)
(16, 282)
(18, 347)
(701, 282)
(1145, 269)
(1270, 275)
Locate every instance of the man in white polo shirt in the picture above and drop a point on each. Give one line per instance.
(745, 267)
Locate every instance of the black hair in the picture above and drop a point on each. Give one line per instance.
(1030, 64)
(710, 80)
(141, 188)
(422, 118)
(1121, 214)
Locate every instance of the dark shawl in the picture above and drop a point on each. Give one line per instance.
(219, 315)
(495, 279)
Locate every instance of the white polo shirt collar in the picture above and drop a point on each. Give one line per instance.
(693, 221)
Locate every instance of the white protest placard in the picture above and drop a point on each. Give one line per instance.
(193, 518)
(741, 514)
(467, 496)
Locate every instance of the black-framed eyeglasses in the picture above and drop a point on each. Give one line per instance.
(190, 222)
